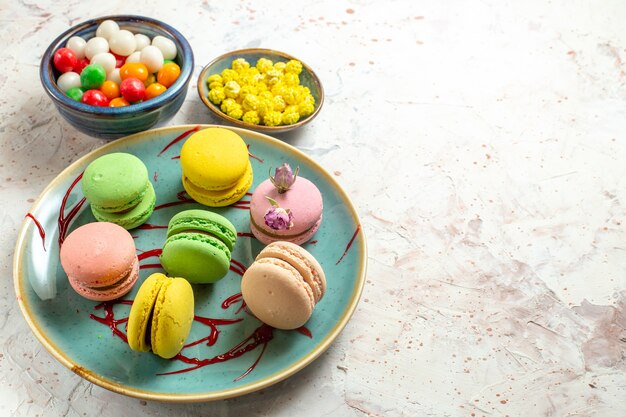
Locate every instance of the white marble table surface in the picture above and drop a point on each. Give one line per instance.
(483, 145)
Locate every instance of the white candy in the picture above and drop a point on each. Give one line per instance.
(152, 57)
(77, 44)
(167, 46)
(123, 43)
(134, 57)
(106, 29)
(106, 59)
(142, 41)
(96, 46)
(115, 76)
(68, 80)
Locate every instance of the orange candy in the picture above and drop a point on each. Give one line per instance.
(134, 70)
(168, 74)
(110, 89)
(118, 102)
(154, 90)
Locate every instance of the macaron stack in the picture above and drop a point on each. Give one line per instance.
(216, 168)
(118, 190)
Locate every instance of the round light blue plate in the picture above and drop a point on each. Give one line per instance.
(80, 333)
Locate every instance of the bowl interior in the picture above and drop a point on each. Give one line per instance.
(308, 78)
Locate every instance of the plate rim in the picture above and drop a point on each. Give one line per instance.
(63, 358)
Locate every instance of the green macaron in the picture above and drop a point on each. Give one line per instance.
(198, 246)
(118, 189)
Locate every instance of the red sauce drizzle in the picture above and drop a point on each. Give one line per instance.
(233, 299)
(303, 330)
(64, 222)
(246, 235)
(42, 232)
(313, 242)
(109, 317)
(156, 176)
(147, 226)
(261, 336)
(252, 156)
(149, 254)
(150, 266)
(358, 227)
(212, 323)
(176, 157)
(179, 138)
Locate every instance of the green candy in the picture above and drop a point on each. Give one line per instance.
(92, 76)
(75, 93)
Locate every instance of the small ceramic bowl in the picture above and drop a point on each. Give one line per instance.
(115, 122)
(307, 79)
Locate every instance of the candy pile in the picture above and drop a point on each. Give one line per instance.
(116, 67)
(268, 93)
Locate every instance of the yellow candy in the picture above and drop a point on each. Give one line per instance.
(216, 95)
(290, 118)
(252, 117)
(227, 104)
(279, 103)
(291, 95)
(291, 79)
(272, 118)
(229, 75)
(268, 93)
(231, 89)
(215, 84)
(240, 65)
(264, 65)
(235, 111)
(250, 103)
(265, 105)
(214, 78)
(305, 109)
(293, 67)
(247, 89)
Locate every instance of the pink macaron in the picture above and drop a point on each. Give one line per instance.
(285, 208)
(100, 261)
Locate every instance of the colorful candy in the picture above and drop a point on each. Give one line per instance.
(95, 98)
(132, 89)
(65, 60)
(116, 67)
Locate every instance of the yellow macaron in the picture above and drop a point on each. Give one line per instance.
(161, 316)
(216, 167)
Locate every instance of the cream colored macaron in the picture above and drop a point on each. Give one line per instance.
(283, 285)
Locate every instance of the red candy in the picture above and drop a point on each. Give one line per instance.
(132, 89)
(80, 65)
(65, 60)
(95, 98)
(119, 60)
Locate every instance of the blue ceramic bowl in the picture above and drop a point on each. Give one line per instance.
(308, 78)
(115, 122)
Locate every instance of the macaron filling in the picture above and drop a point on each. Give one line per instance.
(210, 228)
(125, 208)
(266, 230)
(200, 236)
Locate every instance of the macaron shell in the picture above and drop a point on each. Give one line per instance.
(219, 198)
(303, 199)
(205, 221)
(114, 182)
(172, 317)
(108, 293)
(276, 294)
(197, 257)
(140, 311)
(308, 267)
(214, 158)
(98, 254)
(137, 216)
